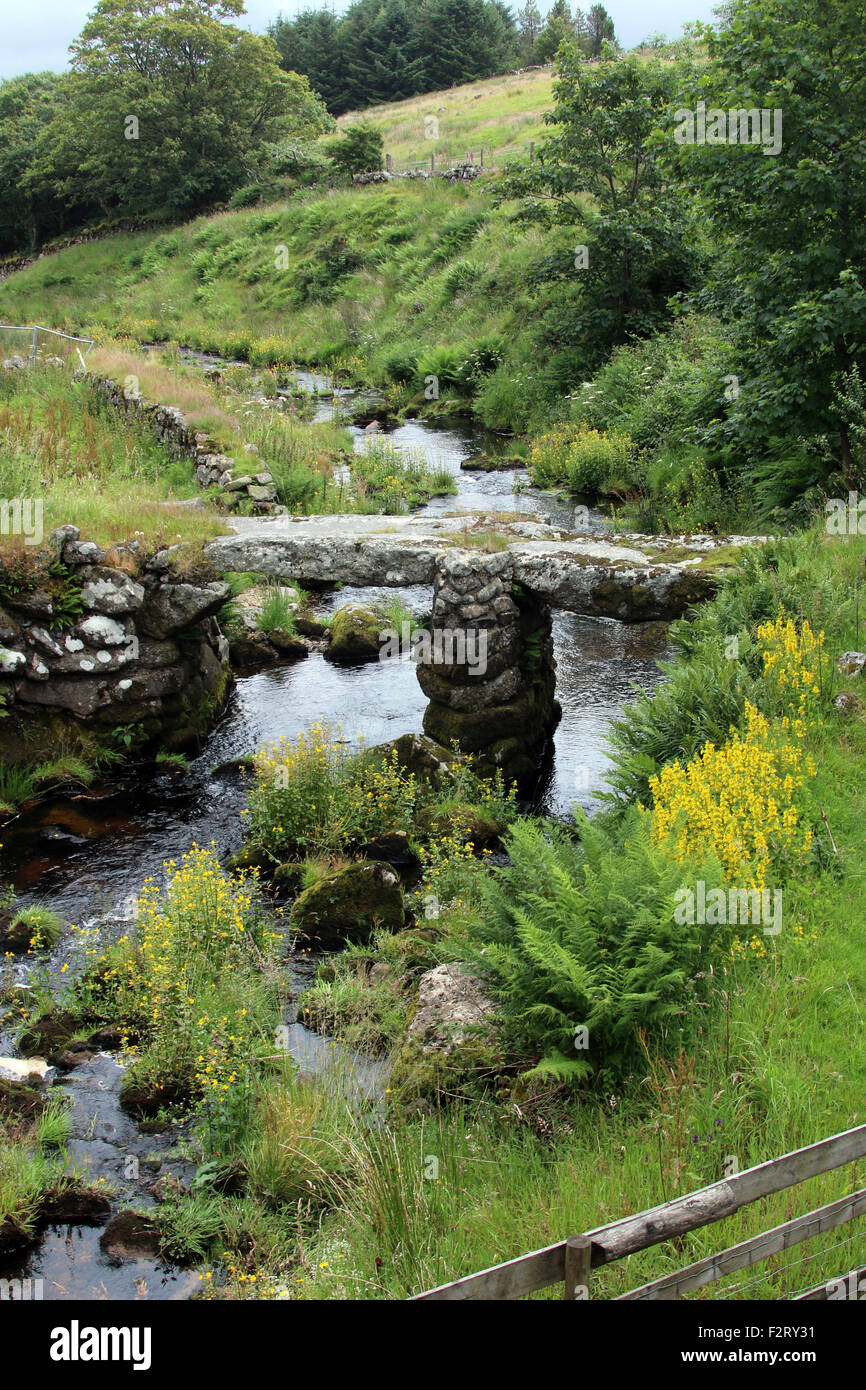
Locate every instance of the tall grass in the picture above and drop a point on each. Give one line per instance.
(58, 443)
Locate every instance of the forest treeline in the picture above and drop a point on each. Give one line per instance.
(170, 108)
(387, 50)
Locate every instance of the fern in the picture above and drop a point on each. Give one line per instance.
(584, 935)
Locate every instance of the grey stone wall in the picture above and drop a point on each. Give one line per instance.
(144, 650)
(213, 469)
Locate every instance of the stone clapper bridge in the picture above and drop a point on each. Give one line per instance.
(503, 711)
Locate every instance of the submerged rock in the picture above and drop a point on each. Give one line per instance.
(346, 906)
(130, 1236)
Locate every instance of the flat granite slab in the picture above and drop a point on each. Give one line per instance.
(630, 577)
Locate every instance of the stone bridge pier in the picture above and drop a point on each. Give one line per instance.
(489, 675)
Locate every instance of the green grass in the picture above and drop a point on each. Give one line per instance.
(502, 115)
(32, 1127)
(277, 611)
(377, 280)
(39, 924)
(59, 444)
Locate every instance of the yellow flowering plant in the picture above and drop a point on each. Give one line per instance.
(738, 801)
(584, 459)
(196, 989)
(796, 666)
(314, 796)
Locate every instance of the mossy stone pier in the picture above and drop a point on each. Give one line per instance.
(488, 670)
(490, 678)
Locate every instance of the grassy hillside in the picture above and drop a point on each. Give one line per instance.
(377, 281)
(500, 115)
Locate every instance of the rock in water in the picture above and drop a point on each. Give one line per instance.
(354, 635)
(347, 905)
(29, 1071)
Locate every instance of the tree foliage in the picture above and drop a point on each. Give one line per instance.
(790, 228)
(601, 176)
(168, 107)
(359, 149)
(385, 50)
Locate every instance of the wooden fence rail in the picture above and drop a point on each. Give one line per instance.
(571, 1260)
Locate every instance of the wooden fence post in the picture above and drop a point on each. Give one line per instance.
(388, 162)
(432, 163)
(578, 1262)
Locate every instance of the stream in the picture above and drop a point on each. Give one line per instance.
(86, 856)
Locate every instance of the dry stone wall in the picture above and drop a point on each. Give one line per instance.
(491, 675)
(95, 640)
(253, 486)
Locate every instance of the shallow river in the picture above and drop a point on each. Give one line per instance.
(88, 856)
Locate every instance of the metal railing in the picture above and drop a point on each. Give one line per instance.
(34, 343)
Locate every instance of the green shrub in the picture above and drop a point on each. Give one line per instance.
(445, 363)
(584, 460)
(358, 150)
(246, 197)
(401, 364)
(582, 936)
(458, 229)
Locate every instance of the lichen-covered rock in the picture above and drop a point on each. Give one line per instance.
(354, 635)
(101, 631)
(347, 905)
(173, 607)
(848, 703)
(450, 1039)
(117, 665)
(852, 663)
(111, 591)
(452, 1006)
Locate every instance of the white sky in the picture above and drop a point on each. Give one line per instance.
(35, 36)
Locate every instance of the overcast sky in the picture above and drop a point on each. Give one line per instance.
(36, 35)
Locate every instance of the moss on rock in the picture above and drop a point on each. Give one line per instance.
(347, 905)
(354, 635)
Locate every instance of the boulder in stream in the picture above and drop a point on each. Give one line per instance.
(355, 635)
(26, 1071)
(346, 905)
(130, 1236)
(417, 753)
